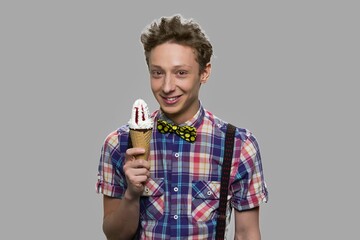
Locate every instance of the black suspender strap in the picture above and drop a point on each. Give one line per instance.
(225, 177)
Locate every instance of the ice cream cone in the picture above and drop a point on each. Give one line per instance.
(141, 138)
(141, 125)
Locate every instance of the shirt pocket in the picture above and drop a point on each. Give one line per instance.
(152, 200)
(205, 200)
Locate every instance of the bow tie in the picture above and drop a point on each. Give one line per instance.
(188, 133)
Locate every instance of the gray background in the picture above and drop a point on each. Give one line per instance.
(286, 70)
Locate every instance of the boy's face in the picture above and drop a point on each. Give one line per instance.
(175, 80)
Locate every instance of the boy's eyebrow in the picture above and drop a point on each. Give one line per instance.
(182, 65)
(154, 66)
(176, 66)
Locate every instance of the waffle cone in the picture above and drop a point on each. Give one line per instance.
(141, 138)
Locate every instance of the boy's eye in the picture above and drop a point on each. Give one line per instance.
(156, 73)
(182, 73)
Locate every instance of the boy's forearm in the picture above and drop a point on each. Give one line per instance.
(248, 236)
(123, 222)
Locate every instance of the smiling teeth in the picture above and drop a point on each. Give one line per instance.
(171, 99)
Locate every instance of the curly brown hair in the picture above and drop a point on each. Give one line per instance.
(178, 30)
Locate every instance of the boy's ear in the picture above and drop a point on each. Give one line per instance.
(204, 76)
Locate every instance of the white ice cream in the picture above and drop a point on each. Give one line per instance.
(140, 116)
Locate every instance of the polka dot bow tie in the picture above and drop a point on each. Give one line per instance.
(188, 133)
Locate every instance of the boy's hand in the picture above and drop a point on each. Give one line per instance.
(136, 172)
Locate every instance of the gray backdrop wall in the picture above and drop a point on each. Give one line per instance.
(286, 70)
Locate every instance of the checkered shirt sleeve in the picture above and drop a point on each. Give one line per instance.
(110, 182)
(249, 188)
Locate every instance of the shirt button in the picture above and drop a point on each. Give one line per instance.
(176, 217)
(176, 189)
(177, 155)
(209, 193)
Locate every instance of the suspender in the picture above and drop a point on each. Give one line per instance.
(225, 177)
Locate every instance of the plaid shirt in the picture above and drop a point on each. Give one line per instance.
(181, 199)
